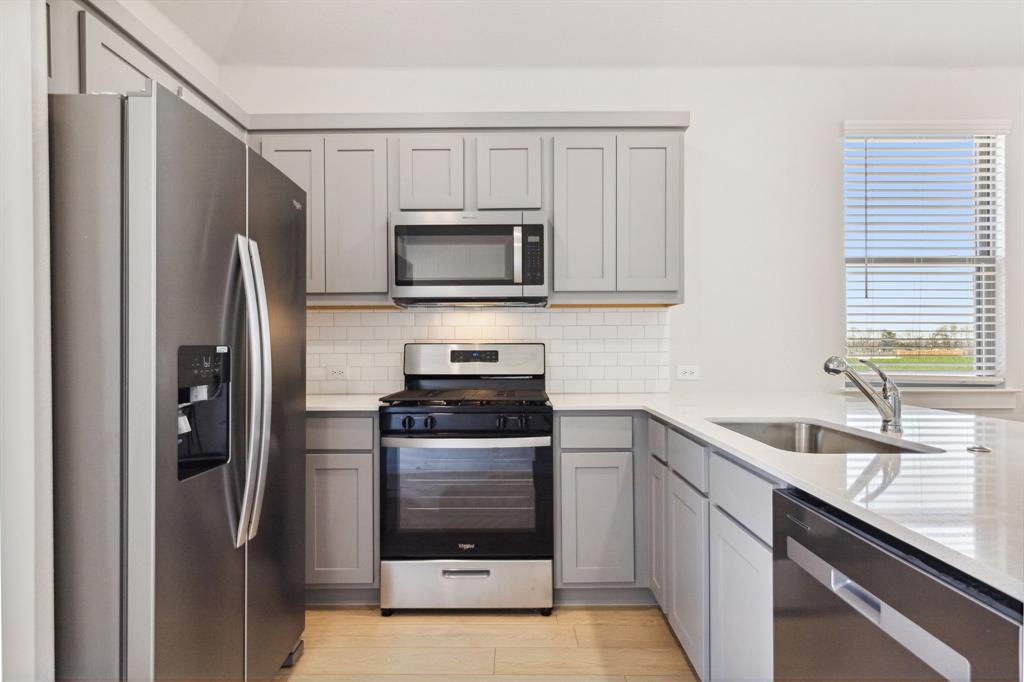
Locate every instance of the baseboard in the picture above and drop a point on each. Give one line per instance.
(604, 596)
(564, 596)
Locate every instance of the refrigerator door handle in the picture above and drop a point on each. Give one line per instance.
(255, 416)
(266, 385)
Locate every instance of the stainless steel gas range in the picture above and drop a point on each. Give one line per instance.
(466, 481)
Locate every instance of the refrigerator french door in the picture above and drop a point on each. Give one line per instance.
(178, 367)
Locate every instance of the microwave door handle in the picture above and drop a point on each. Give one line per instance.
(266, 395)
(517, 254)
(255, 364)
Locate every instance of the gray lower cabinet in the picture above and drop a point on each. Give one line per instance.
(597, 517)
(584, 212)
(339, 517)
(657, 490)
(648, 217)
(301, 158)
(356, 213)
(687, 571)
(741, 603)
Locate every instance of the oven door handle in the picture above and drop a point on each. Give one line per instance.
(464, 443)
(517, 254)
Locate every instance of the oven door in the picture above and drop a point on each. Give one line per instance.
(457, 261)
(467, 498)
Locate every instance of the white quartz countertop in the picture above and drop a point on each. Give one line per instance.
(963, 508)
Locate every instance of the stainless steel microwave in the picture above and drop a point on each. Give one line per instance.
(484, 258)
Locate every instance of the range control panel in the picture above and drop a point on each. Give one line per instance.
(474, 356)
(533, 254)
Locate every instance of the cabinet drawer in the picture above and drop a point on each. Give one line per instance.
(656, 435)
(688, 459)
(339, 433)
(596, 432)
(743, 495)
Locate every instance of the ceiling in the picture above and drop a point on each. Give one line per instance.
(603, 33)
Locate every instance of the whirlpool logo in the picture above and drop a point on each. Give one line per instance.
(466, 546)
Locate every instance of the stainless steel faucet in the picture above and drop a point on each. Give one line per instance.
(887, 402)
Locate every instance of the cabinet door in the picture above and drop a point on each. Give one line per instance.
(597, 517)
(301, 158)
(356, 213)
(648, 224)
(339, 518)
(741, 603)
(108, 62)
(430, 170)
(508, 169)
(687, 572)
(657, 546)
(584, 212)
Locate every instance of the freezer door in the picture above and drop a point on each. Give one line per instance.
(275, 601)
(199, 575)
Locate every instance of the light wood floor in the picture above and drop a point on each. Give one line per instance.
(583, 644)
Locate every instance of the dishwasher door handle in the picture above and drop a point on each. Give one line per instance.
(942, 658)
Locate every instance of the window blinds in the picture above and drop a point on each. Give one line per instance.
(924, 218)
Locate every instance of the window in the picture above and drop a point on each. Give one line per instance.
(924, 213)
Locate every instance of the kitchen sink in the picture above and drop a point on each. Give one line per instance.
(817, 437)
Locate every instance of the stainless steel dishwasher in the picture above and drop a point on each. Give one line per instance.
(854, 605)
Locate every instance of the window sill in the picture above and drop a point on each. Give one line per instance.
(956, 397)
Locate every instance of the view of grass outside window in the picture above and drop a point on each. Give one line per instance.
(924, 254)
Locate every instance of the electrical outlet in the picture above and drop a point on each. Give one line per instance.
(336, 373)
(687, 372)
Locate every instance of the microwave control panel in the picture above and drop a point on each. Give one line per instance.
(533, 254)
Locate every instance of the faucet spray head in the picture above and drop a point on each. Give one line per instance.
(835, 365)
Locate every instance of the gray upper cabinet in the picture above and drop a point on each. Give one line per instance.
(339, 518)
(301, 158)
(649, 201)
(597, 517)
(356, 213)
(741, 603)
(108, 62)
(430, 172)
(508, 171)
(584, 213)
(687, 572)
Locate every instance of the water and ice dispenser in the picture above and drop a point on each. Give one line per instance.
(204, 408)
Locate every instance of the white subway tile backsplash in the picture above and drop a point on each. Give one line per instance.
(596, 350)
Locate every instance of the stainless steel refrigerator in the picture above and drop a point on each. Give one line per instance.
(178, 261)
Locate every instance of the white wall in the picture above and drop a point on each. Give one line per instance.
(26, 572)
(763, 267)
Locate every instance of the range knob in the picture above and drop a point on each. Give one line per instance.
(430, 423)
(501, 422)
(524, 422)
(408, 422)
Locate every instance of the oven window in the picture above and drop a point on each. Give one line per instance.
(448, 502)
(431, 255)
(490, 490)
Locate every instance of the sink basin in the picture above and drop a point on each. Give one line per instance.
(817, 437)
